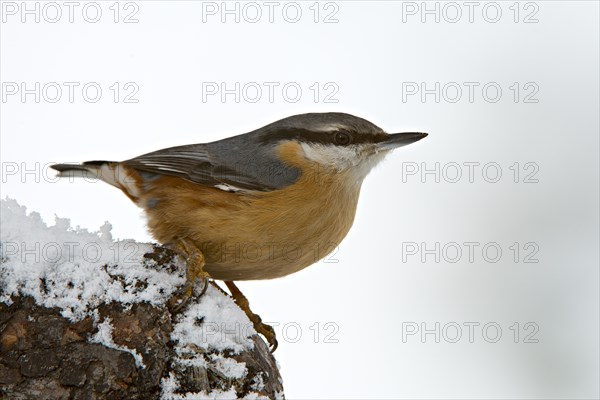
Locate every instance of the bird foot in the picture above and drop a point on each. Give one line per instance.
(264, 329)
(194, 260)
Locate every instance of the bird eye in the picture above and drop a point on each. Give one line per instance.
(342, 138)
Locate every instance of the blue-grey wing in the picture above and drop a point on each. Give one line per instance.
(229, 164)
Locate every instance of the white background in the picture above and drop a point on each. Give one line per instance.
(371, 55)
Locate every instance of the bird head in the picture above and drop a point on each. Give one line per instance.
(338, 141)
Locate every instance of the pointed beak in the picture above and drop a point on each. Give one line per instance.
(396, 140)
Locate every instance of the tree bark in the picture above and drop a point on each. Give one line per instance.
(44, 355)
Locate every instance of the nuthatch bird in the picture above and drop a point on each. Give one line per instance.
(260, 205)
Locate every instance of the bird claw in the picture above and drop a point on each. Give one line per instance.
(264, 329)
(194, 269)
(194, 260)
(268, 332)
(182, 296)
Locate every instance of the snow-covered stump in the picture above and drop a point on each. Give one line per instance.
(86, 317)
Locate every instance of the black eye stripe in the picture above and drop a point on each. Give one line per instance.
(342, 138)
(308, 136)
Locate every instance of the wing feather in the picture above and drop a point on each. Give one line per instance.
(226, 166)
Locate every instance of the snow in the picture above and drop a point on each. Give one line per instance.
(170, 385)
(255, 396)
(229, 367)
(77, 270)
(225, 326)
(214, 324)
(74, 269)
(258, 383)
(104, 336)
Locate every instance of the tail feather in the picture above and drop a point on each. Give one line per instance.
(89, 169)
(111, 172)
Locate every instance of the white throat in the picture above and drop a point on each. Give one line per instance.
(343, 158)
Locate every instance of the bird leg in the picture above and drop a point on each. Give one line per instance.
(266, 330)
(194, 261)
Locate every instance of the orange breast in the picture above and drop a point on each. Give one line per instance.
(262, 235)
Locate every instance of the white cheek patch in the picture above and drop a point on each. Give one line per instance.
(350, 158)
(338, 157)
